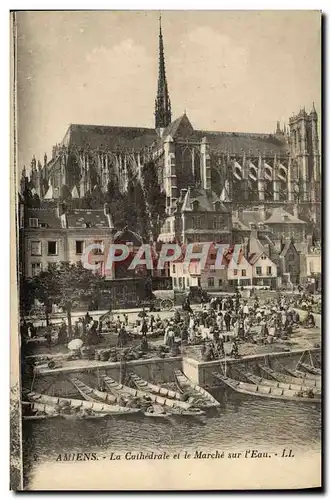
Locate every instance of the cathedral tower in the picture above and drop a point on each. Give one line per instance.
(162, 101)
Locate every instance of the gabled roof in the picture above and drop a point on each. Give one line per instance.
(181, 127)
(254, 257)
(126, 235)
(280, 216)
(255, 245)
(286, 248)
(206, 199)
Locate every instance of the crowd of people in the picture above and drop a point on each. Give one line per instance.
(224, 319)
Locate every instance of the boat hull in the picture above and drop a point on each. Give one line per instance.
(263, 391)
(303, 375)
(282, 377)
(123, 390)
(75, 404)
(281, 385)
(143, 385)
(204, 398)
(311, 369)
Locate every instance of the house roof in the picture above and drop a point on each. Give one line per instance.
(286, 248)
(251, 216)
(238, 225)
(126, 235)
(206, 199)
(87, 218)
(255, 245)
(280, 216)
(47, 217)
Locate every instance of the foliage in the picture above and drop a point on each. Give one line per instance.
(141, 207)
(155, 198)
(65, 283)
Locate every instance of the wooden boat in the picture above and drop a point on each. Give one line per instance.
(79, 416)
(311, 369)
(282, 377)
(74, 404)
(39, 417)
(282, 385)
(200, 396)
(265, 391)
(123, 390)
(91, 394)
(44, 411)
(143, 385)
(300, 374)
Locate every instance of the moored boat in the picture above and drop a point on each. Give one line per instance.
(78, 404)
(281, 385)
(155, 389)
(282, 377)
(197, 394)
(91, 394)
(123, 390)
(311, 369)
(300, 374)
(267, 391)
(42, 411)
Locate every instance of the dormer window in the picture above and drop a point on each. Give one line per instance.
(217, 206)
(286, 217)
(195, 205)
(33, 222)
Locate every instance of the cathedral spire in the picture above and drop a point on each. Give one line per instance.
(162, 101)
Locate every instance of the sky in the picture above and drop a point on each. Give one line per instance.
(233, 71)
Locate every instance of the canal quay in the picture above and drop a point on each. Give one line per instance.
(53, 365)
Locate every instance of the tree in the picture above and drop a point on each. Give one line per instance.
(155, 198)
(65, 284)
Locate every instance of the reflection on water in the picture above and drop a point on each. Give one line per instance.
(240, 421)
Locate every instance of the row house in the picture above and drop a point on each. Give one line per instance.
(54, 234)
(254, 269)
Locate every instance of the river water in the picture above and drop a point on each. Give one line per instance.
(241, 421)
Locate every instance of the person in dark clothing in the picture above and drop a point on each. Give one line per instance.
(227, 320)
(122, 337)
(144, 344)
(144, 328)
(63, 335)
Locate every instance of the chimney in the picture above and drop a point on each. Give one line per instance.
(106, 210)
(246, 247)
(61, 210)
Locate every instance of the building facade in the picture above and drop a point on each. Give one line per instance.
(233, 170)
